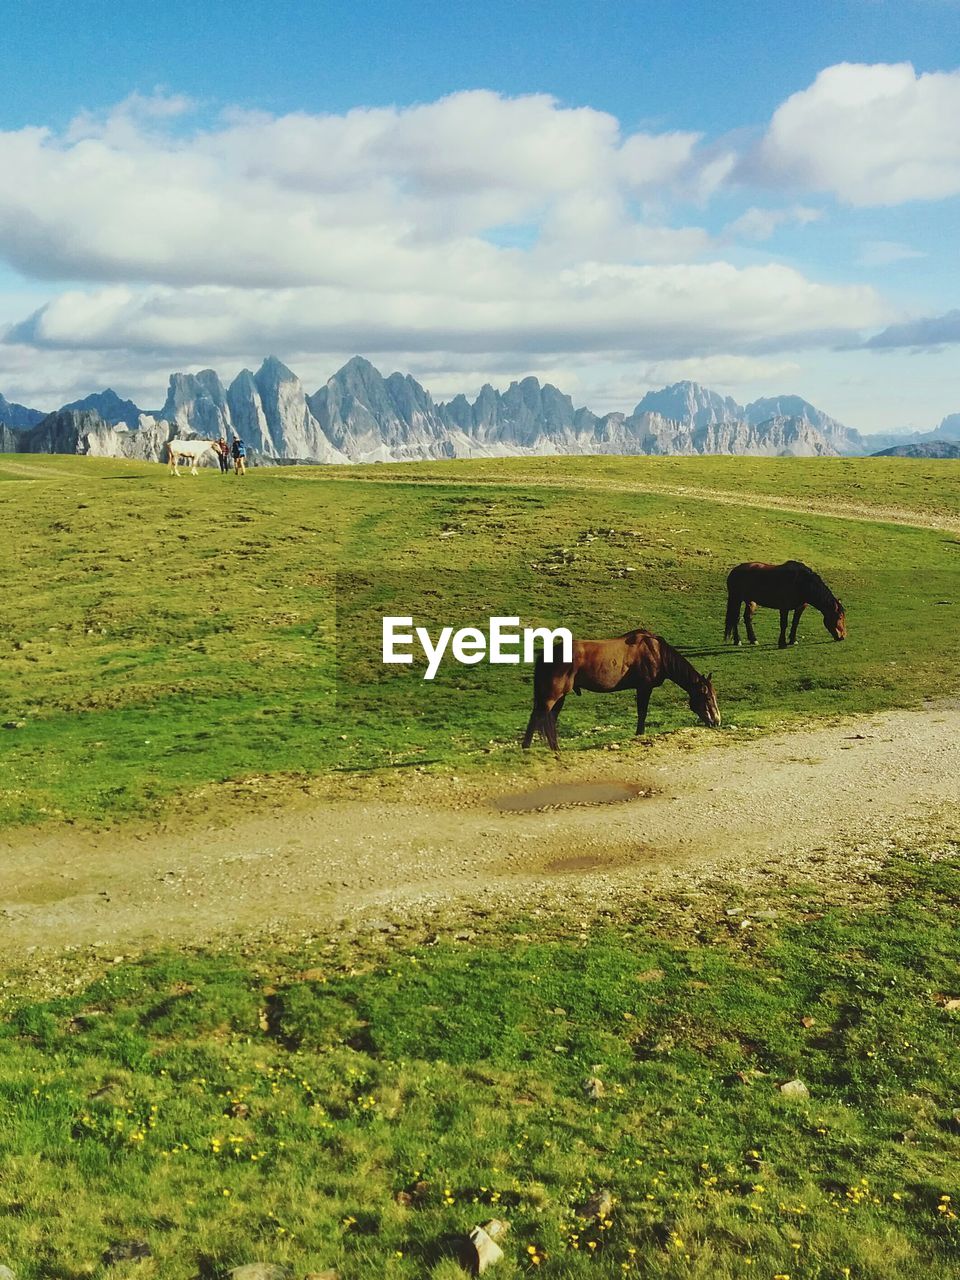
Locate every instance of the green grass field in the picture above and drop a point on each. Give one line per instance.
(163, 634)
(256, 1105)
(360, 1102)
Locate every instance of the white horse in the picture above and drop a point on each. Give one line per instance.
(187, 451)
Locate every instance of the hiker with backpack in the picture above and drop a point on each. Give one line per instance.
(239, 451)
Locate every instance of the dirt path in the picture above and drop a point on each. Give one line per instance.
(731, 807)
(943, 522)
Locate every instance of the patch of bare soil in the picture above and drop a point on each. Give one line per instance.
(826, 801)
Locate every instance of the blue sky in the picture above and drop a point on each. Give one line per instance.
(476, 192)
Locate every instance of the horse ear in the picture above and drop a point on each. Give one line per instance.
(710, 678)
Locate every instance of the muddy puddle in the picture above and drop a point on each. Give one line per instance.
(563, 795)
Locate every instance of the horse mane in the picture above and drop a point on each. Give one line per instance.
(817, 591)
(677, 668)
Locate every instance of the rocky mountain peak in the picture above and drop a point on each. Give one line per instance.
(111, 408)
(691, 405)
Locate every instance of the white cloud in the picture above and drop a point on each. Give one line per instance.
(871, 134)
(388, 231)
(760, 224)
(652, 311)
(883, 253)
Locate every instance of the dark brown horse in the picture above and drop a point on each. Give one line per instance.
(780, 586)
(639, 660)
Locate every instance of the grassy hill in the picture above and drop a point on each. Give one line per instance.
(166, 634)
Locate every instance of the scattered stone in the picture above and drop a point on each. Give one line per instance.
(952, 1004)
(651, 975)
(6, 1273)
(600, 1205)
(593, 1087)
(125, 1250)
(496, 1228)
(807, 1021)
(260, 1271)
(486, 1249)
(464, 935)
(795, 1089)
(238, 1110)
(322, 1275)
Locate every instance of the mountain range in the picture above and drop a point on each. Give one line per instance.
(361, 416)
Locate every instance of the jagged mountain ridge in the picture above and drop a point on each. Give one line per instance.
(18, 416)
(109, 406)
(361, 416)
(937, 449)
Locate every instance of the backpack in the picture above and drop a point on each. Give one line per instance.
(239, 449)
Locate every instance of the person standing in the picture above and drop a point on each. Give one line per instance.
(223, 455)
(239, 457)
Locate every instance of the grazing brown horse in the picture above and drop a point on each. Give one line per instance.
(639, 660)
(780, 586)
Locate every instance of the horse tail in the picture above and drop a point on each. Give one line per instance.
(541, 721)
(733, 611)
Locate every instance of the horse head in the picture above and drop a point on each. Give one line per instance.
(703, 701)
(834, 619)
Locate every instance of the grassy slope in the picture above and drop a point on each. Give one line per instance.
(166, 633)
(259, 1105)
(925, 486)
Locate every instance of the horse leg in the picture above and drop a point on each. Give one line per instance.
(749, 609)
(550, 722)
(784, 614)
(732, 615)
(796, 621)
(643, 702)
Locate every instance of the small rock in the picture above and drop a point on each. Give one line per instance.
(404, 1199)
(600, 1205)
(952, 1004)
(795, 1089)
(6, 1273)
(496, 1228)
(594, 1087)
(487, 1251)
(807, 1021)
(260, 1271)
(124, 1250)
(322, 1275)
